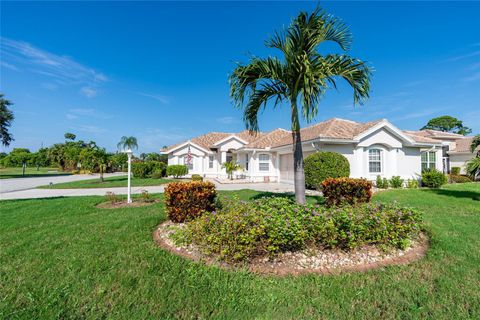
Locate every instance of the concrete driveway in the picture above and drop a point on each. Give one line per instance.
(18, 184)
(48, 193)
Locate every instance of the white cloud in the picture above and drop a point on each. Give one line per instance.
(153, 139)
(89, 92)
(88, 112)
(50, 86)
(226, 120)
(65, 69)
(8, 66)
(473, 77)
(464, 56)
(89, 129)
(419, 114)
(161, 98)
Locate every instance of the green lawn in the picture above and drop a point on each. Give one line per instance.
(109, 182)
(8, 173)
(64, 258)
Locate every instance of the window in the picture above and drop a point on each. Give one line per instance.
(229, 158)
(375, 160)
(246, 162)
(189, 165)
(210, 162)
(428, 160)
(263, 162)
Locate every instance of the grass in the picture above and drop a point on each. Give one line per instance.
(109, 182)
(8, 173)
(64, 258)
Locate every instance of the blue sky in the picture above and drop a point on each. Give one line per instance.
(159, 70)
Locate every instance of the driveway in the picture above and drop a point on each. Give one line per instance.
(18, 184)
(48, 193)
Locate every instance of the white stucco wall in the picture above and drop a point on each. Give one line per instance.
(459, 159)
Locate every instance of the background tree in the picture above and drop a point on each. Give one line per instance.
(447, 124)
(6, 118)
(301, 78)
(69, 136)
(475, 144)
(127, 143)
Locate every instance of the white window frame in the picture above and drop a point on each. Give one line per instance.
(379, 160)
(264, 162)
(211, 159)
(429, 163)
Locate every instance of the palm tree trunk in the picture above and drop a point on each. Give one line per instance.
(298, 172)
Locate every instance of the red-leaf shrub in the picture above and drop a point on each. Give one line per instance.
(338, 191)
(188, 200)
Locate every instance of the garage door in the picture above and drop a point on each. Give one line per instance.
(286, 167)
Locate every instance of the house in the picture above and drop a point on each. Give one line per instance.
(373, 148)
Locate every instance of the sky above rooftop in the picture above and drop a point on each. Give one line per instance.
(159, 70)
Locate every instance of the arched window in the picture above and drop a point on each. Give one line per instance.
(374, 160)
(263, 162)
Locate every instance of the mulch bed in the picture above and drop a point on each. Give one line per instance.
(312, 260)
(124, 204)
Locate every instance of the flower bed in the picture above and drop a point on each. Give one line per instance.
(242, 231)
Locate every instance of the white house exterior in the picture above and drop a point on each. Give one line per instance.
(372, 149)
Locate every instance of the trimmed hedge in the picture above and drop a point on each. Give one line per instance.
(145, 169)
(433, 179)
(322, 165)
(188, 200)
(197, 177)
(177, 170)
(453, 178)
(242, 231)
(339, 191)
(455, 171)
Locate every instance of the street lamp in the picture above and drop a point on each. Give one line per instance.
(129, 154)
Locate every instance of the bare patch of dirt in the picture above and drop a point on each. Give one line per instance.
(311, 260)
(124, 204)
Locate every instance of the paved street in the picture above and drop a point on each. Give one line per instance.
(26, 190)
(17, 184)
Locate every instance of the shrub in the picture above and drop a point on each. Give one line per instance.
(145, 196)
(244, 230)
(188, 200)
(147, 168)
(458, 178)
(385, 183)
(396, 182)
(177, 170)
(157, 175)
(322, 165)
(338, 191)
(379, 182)
(412, 184)
(197, 177)
(433, 179)
(455, 171)
(111, 197)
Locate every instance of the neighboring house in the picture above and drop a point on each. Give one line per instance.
(456, 148)
(372, 148)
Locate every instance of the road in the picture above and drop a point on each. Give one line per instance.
(29, 193)
(18, 184)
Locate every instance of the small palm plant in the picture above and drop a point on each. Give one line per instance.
(300, 79)
(127, 143)
(230, 167)
(473, 168)
(475, 144)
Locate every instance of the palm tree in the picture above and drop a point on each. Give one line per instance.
(127, 143)
(473, 168)
(301, 78)
(475, 144)
(230, 167)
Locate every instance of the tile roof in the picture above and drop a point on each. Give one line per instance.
(334, 128)
(463, 145)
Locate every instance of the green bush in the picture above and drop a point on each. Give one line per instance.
(339, 191)
(433, 179)
(396, 182)
(157, 174)
(458, 178)
(322, 165)
(241, 230)
(379, 182)
(412, 184)
(177, 170)
(455, 171)
(145, 169)
(197, 177)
